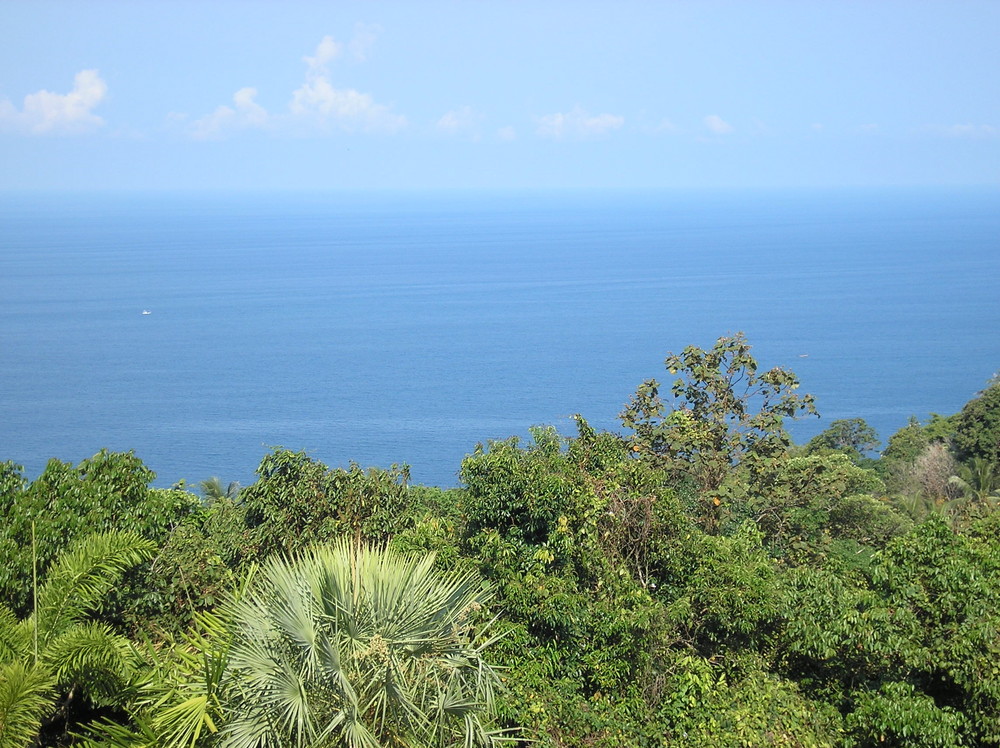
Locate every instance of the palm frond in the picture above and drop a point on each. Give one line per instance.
(15, 639)
(177, 699)
(25, 697)
(92, 655)
(358, 646)
(80, 578)
(108, 734)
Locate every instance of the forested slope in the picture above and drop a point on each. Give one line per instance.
(695, 580)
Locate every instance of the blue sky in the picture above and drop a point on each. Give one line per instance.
(430, 95)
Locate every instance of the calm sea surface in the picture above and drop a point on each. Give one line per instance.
(384, 328)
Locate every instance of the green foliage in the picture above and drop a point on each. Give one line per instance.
(704, 708)
(839, 634)
(852, 437)
(816, 499)
(362, 647)
(904, 446)
(979, 482)
(297, 502)
(899, 715)
(107, 492)
(528, 511)
(941, 428)
(899, 458)
(437, 526)
(12, 482)
(950, 585)
(721, 591)
(213, 489)
(26, 696)
(977, 426)
(177, 701)
(189, 575)
(724, 415)
(56, 652)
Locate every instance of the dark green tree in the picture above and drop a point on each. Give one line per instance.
(852, 436)
(107, 492)
(297, 502)
(977, 426)
(906, 444)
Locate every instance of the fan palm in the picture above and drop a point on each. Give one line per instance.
(360, 647)
(979, 482)
(56, 650)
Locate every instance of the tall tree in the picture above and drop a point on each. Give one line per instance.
(297, 502)
(723, 414)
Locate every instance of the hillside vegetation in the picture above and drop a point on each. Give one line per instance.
(696, 580)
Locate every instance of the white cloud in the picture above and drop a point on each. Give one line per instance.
(716, 124)
(48, 113)
(462, 121)
(963, 131)
(326, 52)
(577, 123)
(246, 113)
(665, 125)
(316, 105)
(317, 102)
(507, 133)
(363, 40)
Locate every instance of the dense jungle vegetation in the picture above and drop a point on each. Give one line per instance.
(696, 580)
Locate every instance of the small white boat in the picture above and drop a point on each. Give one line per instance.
(146, 311)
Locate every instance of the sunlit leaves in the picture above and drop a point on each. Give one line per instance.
(722, 413)
(359, 646)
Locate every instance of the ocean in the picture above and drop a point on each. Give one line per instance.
(386, 328)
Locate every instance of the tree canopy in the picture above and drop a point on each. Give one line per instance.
(696, 580)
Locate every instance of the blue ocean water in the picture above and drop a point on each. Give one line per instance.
(401, 327)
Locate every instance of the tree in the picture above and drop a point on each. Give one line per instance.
(979, 482)
(214, 490)
(823, 497)
(907, 443)
(176, 701)
(852, 436)
(107, 492)
(943, 590)
(724, 414)
(297, 502)
(977, 426)
(359, 646)
(55, 655)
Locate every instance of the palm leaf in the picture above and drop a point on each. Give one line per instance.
(93, 655)
(80, 578)
(358, 647)
(26, 695)
(15, 639)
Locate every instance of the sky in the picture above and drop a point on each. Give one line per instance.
(498, 95)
